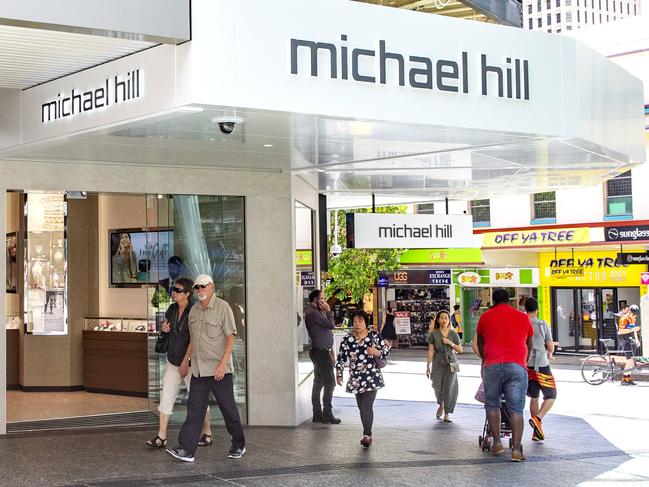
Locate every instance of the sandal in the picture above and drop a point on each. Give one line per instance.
(206, 440)
(156, 442)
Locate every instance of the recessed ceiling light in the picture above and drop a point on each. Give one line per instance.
(268, 145)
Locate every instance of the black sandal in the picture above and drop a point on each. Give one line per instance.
(206, 440)
(156, 442)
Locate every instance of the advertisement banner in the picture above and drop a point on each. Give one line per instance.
(584, 269)
(440, 277)
(442, 256)
(390, 231)
(402, 322)
(504, 277)
(536, 238)
(626, 233)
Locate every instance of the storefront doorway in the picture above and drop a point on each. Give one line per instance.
(582, 316)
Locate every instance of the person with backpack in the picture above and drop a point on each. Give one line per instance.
(540, 378)
(456, 321)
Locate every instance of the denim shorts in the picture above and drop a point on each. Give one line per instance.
(509, 379)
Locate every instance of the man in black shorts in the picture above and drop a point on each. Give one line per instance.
(538, 370)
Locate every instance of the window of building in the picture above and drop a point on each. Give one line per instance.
(549, 22)
(558, 18)
(600, 18)
(619, 201)
(568, 3)
(529, 21)
(481, 213)
(544, 207)
(548, 4)
(558, 4)
(426, 208)
(578, 15)
(538, 5)
(539, 22)
(568, 16)
(593, 17)
(613, 6)
(529, 9)
(569, 27)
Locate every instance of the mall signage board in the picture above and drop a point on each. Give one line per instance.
(536, 238)
(626, 233)
(307, 279)
(442, 256)
(584, 269)
(398, 231)
(440, 277)
(629, 258)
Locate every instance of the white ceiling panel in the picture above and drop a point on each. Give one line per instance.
(29, 57)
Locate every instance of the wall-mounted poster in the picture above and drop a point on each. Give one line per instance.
(12, 262)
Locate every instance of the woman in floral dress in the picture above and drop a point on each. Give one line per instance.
(361, 348)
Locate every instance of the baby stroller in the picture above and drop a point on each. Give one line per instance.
(485, 440)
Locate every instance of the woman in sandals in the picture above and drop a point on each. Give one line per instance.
(361, 347)
(178, 355)
(441, 366)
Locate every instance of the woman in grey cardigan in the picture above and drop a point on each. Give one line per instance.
(441, 366)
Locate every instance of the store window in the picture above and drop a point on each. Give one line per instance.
(619, 197)
(544, 207)
(481, 213)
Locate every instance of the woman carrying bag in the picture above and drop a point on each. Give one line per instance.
(174, 340)
(442, 366)
(367, 353)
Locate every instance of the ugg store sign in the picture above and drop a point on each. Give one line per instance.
(389, 231)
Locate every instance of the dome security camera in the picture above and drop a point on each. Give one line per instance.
(227, 124)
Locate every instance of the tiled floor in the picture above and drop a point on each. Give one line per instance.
(31, 406)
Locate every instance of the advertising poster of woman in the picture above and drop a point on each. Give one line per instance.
(12, 262)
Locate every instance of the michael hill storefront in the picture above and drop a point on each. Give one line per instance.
(320, 105)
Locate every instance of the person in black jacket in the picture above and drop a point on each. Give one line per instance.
(319, 322)
(178, 354)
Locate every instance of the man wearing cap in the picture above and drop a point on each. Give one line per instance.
(212, 329)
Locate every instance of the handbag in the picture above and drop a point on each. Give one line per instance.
(381, 361)
(162, 343)
(453, 366)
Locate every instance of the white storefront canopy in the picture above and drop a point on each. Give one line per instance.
(354, 97)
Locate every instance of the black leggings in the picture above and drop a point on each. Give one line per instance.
(365, 402)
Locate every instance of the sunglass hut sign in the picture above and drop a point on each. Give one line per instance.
(504, 78)
(115, 90)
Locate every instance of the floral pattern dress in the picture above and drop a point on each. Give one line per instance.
(364, 375)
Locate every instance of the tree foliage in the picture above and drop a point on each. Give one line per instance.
(355, 271)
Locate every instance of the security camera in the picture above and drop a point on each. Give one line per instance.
(227, 124)
(336, 250)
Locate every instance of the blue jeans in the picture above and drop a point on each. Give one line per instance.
(506, 378)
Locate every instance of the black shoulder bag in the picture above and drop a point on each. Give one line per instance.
(162, 344)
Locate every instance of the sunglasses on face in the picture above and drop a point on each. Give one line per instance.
(200, 286)
(178, 290)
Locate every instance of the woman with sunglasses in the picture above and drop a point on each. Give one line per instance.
(177, 368)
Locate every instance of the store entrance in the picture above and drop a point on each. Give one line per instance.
(89, 279)
(582, 316)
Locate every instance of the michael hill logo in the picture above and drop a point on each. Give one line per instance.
(508, 78)
(114, 90)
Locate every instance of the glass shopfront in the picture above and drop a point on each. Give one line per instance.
(585, 292)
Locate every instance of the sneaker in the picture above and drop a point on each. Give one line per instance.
(180, 454)
(366, 441)
(535, 423)
(237, 452)
(535, 437)
(330, 419)
(628, 382)
(517, 455)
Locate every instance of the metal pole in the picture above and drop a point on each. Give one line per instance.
(373, 203)
(446, 201)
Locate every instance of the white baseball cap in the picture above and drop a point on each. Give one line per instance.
(203, 280)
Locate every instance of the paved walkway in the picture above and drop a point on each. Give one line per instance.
(596, 436)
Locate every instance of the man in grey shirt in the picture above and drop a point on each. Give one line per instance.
(538, 370)
(213, 331)
(319, 322)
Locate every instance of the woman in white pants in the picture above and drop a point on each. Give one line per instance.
(177, 369)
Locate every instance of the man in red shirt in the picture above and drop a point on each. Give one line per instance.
(505, 343)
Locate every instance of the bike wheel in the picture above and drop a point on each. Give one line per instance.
(595, 369)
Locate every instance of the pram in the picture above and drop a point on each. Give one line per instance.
(485, 440)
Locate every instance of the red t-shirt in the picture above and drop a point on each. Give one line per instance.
(504, 331)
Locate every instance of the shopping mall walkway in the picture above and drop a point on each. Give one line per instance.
(597, 436)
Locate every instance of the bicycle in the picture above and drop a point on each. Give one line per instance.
(598, 368)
